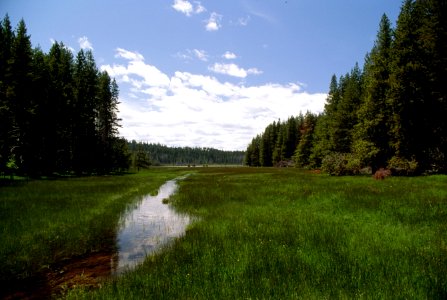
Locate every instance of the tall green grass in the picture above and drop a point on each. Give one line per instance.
(45, 221)
(286, 233)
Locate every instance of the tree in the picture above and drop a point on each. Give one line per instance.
(372, 140)
(57, 112)
(20, 97)
(107, 121)
(6, 114)
(303, 151)
(418, 92)
(84, 112)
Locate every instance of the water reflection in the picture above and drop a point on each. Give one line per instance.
(149, 226)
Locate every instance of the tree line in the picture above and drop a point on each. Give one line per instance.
(389, 114)
(145, 154)
(58, 112)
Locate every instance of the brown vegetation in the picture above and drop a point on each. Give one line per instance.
(382, 174)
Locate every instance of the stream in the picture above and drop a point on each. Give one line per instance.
(147, 227)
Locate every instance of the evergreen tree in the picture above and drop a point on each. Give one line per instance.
(372, 141)
(303, 151)
(107, 122)
(6, 113)
(344, 118)
(84, 112)
(418, 93)
(57, 112)
(20, 98)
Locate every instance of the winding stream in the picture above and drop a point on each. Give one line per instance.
(147, 227)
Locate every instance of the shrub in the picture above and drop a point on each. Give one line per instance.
(341, 164)
(402, 166)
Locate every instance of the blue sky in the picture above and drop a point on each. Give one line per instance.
(210, 73)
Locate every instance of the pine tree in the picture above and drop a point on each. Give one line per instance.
(345, 118)
(20, 98)
(6, 113)
(372, 141)
(84, 113)
(59, 109)
(107, 121)
(418, 93)
(303, 151)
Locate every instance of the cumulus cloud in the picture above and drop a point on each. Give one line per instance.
(233, 70)
(187, 109)
(229, 55)
(136, 72)
(214, 22)
(84, 43)
(187, 8)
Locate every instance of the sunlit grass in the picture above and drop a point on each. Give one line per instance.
(46, 221)
(286, 233)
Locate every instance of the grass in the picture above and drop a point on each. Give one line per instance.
(260, 233)
(46, 221)
(286, 233)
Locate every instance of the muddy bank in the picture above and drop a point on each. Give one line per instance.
(87, 271)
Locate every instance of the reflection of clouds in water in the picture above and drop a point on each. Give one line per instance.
(149, 226)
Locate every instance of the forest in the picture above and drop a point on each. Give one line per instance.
(389, 114)
(58, 112)
(58, 116)
(145, 154)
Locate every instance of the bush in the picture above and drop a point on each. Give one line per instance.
(341, 164)
(402, 166)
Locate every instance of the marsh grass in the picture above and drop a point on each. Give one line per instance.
(46, 221)
(286, 233)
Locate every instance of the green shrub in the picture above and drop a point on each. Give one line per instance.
(403, 166)
(341, 164)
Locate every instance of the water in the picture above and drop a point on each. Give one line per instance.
(148, 227)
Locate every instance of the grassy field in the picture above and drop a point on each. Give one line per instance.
(45, 221)
(286, 233)
(260, 233)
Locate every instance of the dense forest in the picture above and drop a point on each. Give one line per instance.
(58, 113)
(389, 114)
(155, 154)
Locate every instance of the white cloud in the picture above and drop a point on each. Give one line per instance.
(243, 21)
(233, 70)
(229, 55)
(188, 109)
(199, 8)
(214, 22)
(200, 54)
(187, 8)
(137, 72)
(84, 43)
(189, 55)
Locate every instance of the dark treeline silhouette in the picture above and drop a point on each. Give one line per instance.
(390, 114)
(145, 154)
(58, 113)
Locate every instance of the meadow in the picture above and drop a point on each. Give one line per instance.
(261, 233)
(46, 222)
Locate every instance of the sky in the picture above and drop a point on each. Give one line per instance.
(210, 73)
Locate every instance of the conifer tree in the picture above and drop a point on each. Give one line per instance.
(84, 112)
(372, 141)
(59, 109)
(20, 97)
(303, 151)
(6, 114)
